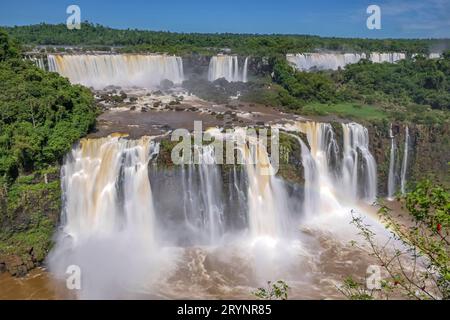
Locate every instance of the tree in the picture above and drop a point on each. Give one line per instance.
(422, 269)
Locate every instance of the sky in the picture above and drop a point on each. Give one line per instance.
(340, 18)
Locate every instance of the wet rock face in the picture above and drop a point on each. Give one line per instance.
(16, 265)
(29, 212)
(429, 152)
(196, 64)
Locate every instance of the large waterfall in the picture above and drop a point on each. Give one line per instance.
(129, 221)
(124, 70)
(226, 66)
(333, 61)
(108, 218)
(106, 186)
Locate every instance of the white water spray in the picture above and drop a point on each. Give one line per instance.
(391, 177)
(124, 70)
(334, 61)
(405, 162)
(225, 66)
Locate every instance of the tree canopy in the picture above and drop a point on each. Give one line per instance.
(41, 113)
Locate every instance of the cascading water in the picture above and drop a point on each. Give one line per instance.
(197, 209)
(311, 199)
(434, 55)
(38, 61)
(330, 182)
(333, 61)
(405, 162)
(391, 177)
(225, 66)
(245, 71)
(356, 143)
(266, 195)
(390, 57)
(323, 152)
(130, 224)
(108, 215)
(124, 70)
(323, 61)
(107, 188)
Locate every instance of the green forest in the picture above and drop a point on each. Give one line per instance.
(41, 113)
(413, 89)
(95, 36)
(41, 116)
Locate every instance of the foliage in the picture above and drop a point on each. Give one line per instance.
(419, 81)
(420, 269)
(133, 40)
(28, 214)
(353, 290)
(41, 115)
(416, 90)
(346, 110)
(273, 291)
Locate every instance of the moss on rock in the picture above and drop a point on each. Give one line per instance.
(29, 213)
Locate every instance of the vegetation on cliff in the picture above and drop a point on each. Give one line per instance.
(41, 116)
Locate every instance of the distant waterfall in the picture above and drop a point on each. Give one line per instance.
(124, 70)
(334, 61)
(391, 177)
(434, 55)
(38, 61)
(390, 57)
(225, 66)
(405, 162)
(245, 71)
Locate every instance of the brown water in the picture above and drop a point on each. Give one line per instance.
(224, 273)
(37, 285)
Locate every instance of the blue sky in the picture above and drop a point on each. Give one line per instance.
(342, 18)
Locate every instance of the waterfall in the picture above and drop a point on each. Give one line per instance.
(108, 218)
(245, 71)
(356, 144)
(129, 223)
(332, 181)
(391, 177)
(203, 205)
(311, 199)
(225, 66)
(323, 61)
(434, 55)
(405, 162)
(334, 61)
(124, 70)
(265, 194)
(106, 187)
(390, 57)
(38, 61)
